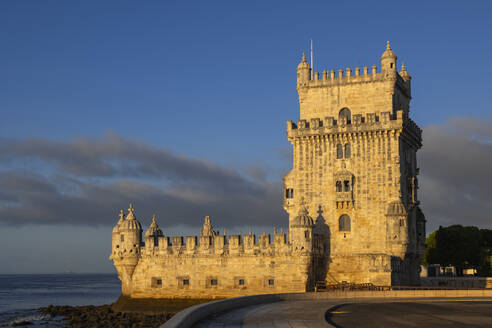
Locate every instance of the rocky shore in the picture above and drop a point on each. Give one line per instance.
(125, 312)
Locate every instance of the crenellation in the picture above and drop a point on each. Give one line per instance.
(177, 242)
(191, 243)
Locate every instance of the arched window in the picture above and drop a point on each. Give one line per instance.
(339, 151)
(339, 186)
(344, 223)
(344, 113)
(289, 193)
(347, 150)
(346, 185)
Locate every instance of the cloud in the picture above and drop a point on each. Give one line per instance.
(86, 181)
(456, 174)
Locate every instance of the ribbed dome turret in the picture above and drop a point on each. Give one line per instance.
(154, 229)
(404, 73)
(130, 223)
(388, 53)
(396, 208)
(120, 221)
(302, 219)
(303, 63)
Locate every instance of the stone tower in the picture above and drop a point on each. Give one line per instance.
(354, 162)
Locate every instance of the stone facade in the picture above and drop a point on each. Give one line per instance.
(354, 164)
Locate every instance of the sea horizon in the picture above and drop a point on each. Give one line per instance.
(21, 295)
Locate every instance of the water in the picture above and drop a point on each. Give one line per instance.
(22, 295)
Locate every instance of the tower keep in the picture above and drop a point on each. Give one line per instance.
(351, 196)
(355, 164)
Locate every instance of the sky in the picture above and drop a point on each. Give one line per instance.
(180, 108)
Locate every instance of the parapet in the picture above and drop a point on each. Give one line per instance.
(359, 123)
(350, 76)
(219, 244)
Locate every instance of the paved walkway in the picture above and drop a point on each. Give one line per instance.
(291, 314)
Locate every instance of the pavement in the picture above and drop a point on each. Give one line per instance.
(288, 314)
(366, 314)
(442, 314)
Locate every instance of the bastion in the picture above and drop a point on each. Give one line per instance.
(354, 165)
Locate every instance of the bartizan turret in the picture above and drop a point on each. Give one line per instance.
(153, 235)
(388, 62)
(127, 239)
(303, 71)
(301, 231)
(397, 229)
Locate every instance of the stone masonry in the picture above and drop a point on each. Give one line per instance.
(354, 165)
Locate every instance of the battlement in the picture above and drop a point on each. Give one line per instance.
(217, 244)
(329, 78)
(358, 123)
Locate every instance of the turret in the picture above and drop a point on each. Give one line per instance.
(301, 231)
(388, 62)
(128, 254)
(152, 235)
(115, 245)
(207, 229)
(397, 228)
(303, 71)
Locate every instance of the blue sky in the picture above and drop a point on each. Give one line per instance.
(214, 81)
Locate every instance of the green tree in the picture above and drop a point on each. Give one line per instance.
(461, 247)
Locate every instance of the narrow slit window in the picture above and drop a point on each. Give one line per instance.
(339, 186)
(339, 151)
(347, 150)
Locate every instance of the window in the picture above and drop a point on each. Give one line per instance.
(346, 185)
(241, 282)
(347, 150)
(339, 186)
(344, 223)
(156, 241)
(271, 282)
(339, 151)
(289, 193)
(344, 114)
(213, 282)
(122, 237)
(156, 282)
(183, 282)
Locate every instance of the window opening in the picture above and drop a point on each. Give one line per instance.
(346, 185)
(339, 151)
(344, 223)
(347, 150)
(339, 186)
(345, 113)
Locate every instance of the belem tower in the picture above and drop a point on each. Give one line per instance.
(351, 197)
